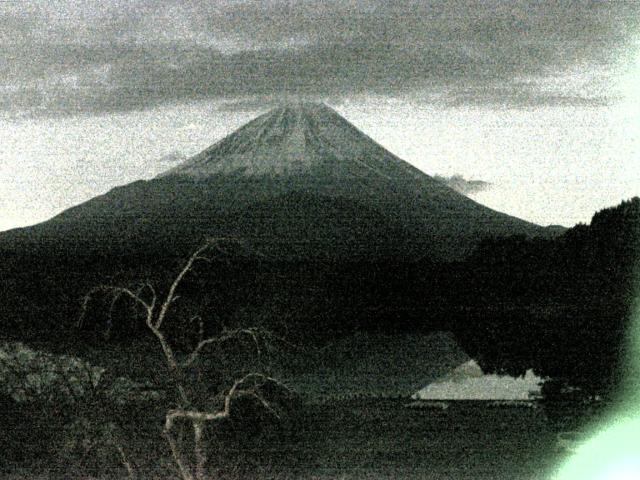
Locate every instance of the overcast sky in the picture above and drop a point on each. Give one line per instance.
(540, 100)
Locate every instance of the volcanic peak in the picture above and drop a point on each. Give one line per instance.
(297, 137)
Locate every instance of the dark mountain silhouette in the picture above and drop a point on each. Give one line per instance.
(297, 182)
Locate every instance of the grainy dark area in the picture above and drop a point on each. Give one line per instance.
(378, 438)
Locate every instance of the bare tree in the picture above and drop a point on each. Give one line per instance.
(156, 310)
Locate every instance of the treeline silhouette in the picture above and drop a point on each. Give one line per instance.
(560, 306)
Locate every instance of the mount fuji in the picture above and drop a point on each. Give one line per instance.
(299, 182)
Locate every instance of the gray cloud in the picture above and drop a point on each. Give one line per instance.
(172, 157)
(84, 56)
(462, 185)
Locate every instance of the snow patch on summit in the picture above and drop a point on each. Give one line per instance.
(293, 139)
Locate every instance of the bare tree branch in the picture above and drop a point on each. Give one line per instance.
(185, 472)
(248, 386)
(197, 255)
(199, 449)
(154, 296)
(267, 406)
(234, 392)
(226, 335)
(125, 460)
(116, 292)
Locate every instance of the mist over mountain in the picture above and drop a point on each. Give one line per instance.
(172, 157)
(462, 185)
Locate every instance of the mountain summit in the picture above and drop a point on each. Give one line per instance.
(297, 138)
(299, 182)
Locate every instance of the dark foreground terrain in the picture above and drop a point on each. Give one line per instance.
(362, 438)
(357, 439)
(383, 439)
